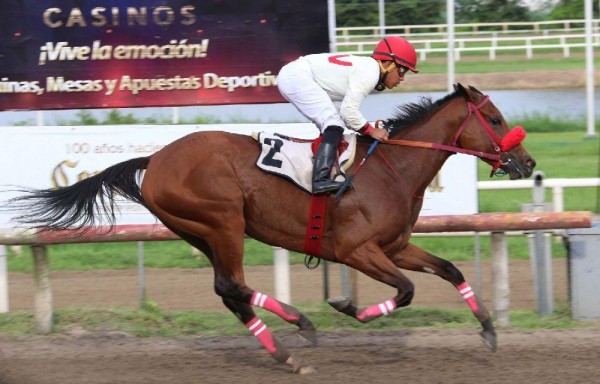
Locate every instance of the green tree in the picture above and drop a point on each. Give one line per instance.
(491, 11)
(570, 9)
(82, 117)
(363, 13)
(415, 12)
(357, 13)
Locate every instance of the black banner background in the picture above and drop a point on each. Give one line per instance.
(104, 54)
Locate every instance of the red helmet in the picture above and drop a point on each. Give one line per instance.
(398, 49)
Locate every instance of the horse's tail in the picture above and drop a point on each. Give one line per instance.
(81, 205)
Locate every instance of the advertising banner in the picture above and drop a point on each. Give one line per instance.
(134, 53)
(38, 157)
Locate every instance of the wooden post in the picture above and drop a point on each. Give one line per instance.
(43, 292)
(3, 280)
(349, 278)
(141, 275)
(500, 281)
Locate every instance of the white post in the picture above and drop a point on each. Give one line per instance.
(332, 25)
(175, 115)
(3, 280)
(39, 118)
(382, 17)
(478, 285)
(539, 249)
(450, 28)
(281, 265)
(500, 278)
(541, 267)
(557, 198)
(589, 65)
(43, 292)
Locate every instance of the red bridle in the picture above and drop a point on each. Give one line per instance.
(514, 137)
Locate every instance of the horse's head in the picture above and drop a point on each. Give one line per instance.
(485, 130)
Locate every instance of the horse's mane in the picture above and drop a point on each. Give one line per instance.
(408, 114)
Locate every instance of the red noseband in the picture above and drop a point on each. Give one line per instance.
(512, 138)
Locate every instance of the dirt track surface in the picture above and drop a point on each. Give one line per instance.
(407, 356)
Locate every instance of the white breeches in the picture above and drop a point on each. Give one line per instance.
(296, 84)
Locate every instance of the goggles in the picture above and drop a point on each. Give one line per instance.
(402, 70)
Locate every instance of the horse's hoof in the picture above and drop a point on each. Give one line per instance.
(309, 335)
(299, 367)
(308, 370)
(340, 303)
(489, 339)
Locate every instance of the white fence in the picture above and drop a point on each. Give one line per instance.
(557, 185)
(533, 28)
(491, 42)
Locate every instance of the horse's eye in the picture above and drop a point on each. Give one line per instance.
(496, 121)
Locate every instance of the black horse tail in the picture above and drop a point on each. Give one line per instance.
(84, 204)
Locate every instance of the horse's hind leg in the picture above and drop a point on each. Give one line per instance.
(230, 285)
(260, 330)
(415, 259)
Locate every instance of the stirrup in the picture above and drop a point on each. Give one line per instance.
(326, 186)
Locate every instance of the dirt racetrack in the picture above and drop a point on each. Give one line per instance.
(406, 355)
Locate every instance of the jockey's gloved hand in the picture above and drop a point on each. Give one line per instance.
(385, 124)
(379, 134)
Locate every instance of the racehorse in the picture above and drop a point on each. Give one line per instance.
(206, 188)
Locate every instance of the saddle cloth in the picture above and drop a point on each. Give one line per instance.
(292, 158)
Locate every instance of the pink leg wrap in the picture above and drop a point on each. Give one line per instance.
(262, 333)
(469, 296)
(377, 310)
(261, 300)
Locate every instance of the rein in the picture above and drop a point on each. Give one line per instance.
(500, 146)
(471, 108)
(448, 148)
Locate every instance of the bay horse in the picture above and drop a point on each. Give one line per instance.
(206, 188)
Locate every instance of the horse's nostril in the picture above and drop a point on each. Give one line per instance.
(531, 163)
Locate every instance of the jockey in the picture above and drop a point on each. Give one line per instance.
(329, 88)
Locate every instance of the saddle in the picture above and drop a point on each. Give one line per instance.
(292, 158)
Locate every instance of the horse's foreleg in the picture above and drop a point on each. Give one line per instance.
(415, 259)
(370, 260)
(344, 305)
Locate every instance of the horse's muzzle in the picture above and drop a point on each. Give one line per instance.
(518, 167)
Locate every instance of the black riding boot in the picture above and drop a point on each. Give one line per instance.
(324, 159)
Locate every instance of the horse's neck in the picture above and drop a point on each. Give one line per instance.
(437, 128)
(422, 165)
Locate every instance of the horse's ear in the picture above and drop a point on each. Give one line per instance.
(475, 90)
(470, 93)
(459, 89)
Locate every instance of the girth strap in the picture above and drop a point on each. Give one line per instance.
(316, 222)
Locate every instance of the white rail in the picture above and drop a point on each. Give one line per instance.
(491, 45)
(530, 28)
(557, 185)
